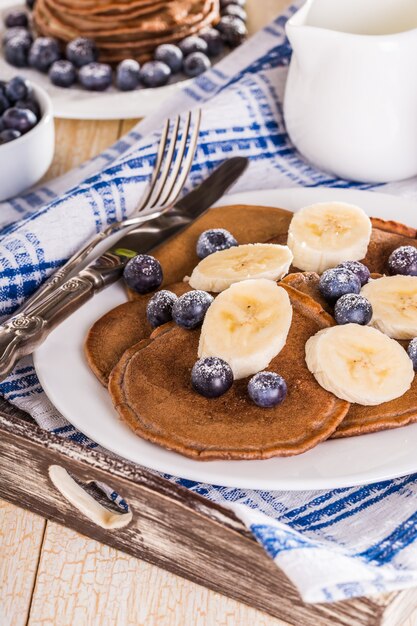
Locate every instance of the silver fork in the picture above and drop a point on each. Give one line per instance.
(174, 158)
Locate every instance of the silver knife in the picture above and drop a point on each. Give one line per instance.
(23, 333)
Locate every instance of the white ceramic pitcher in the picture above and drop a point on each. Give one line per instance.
(351, 95)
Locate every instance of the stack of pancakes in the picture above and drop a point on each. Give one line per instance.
(124, 29)
(148, 373)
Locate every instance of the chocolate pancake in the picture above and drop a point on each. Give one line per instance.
(308, 283)
(118, 330)
(369, 419)
(151, 390)
(386, 237)
(249, 224)
(362, 419)
(129, 29)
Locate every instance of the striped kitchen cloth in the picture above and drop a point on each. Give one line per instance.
(333, 544)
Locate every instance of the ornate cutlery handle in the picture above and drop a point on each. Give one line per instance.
(73, 264)
(22, 334)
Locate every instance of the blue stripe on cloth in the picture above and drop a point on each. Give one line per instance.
(386, 549)
(21, 384)
(276, 540)
(18, 395)
(121, 503)
(63, 430)
(345, 507)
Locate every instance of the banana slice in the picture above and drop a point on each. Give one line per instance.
(394, 305)
(259, 260)
(359, 364)
(247, 325)
(325, 234)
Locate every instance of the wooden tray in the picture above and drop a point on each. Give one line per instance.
(170, 527)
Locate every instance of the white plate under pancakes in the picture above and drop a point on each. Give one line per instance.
(77, 103)
(74, 390)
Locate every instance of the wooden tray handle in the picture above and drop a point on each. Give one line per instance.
(85, 503)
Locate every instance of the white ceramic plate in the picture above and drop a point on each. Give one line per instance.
(77, 103)
(75, 391)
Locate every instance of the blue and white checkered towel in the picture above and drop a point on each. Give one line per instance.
(332, 544)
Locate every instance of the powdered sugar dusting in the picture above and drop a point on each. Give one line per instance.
(213, 367)
(163, 298)
(359, 269)
(197, 298)
(266, 380)
(403, 260)
(213, 240)
(346, 302)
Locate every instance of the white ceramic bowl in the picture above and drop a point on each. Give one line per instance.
(24, 161)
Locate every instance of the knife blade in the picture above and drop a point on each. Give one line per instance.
(186, 210)
(24, 332)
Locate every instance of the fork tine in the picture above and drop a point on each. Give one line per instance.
(176, 166)
(159, 185)
(186, 161)
(157, 166)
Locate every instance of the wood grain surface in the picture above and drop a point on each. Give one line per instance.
(118, 589)
(21, 536)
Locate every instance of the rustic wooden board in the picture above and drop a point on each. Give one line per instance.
(171, 527)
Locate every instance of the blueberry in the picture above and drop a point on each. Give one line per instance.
(1, 125)
(214, 41)
(30, 104)
(143, 273)
(353, 308)
(211, 377)
(412, 352)
(17, 88)
(95, 76)
(62, 73)
(403, 261)
(233, 30)
(14, 32)
(22, 120)
(214, 240)
(128, 75)
(225, 3)
(16, 18)
(196, 63)
(236, 11)
(44, 52)
(171, 55)
(81, 51)
(154, 74)
(16, 50)
(359, 269)
(191, 44)
(159, 309)
(189, 310)
(267, 389)
(4, 103)
(30, 4)
(9, 135)
(337, 281)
